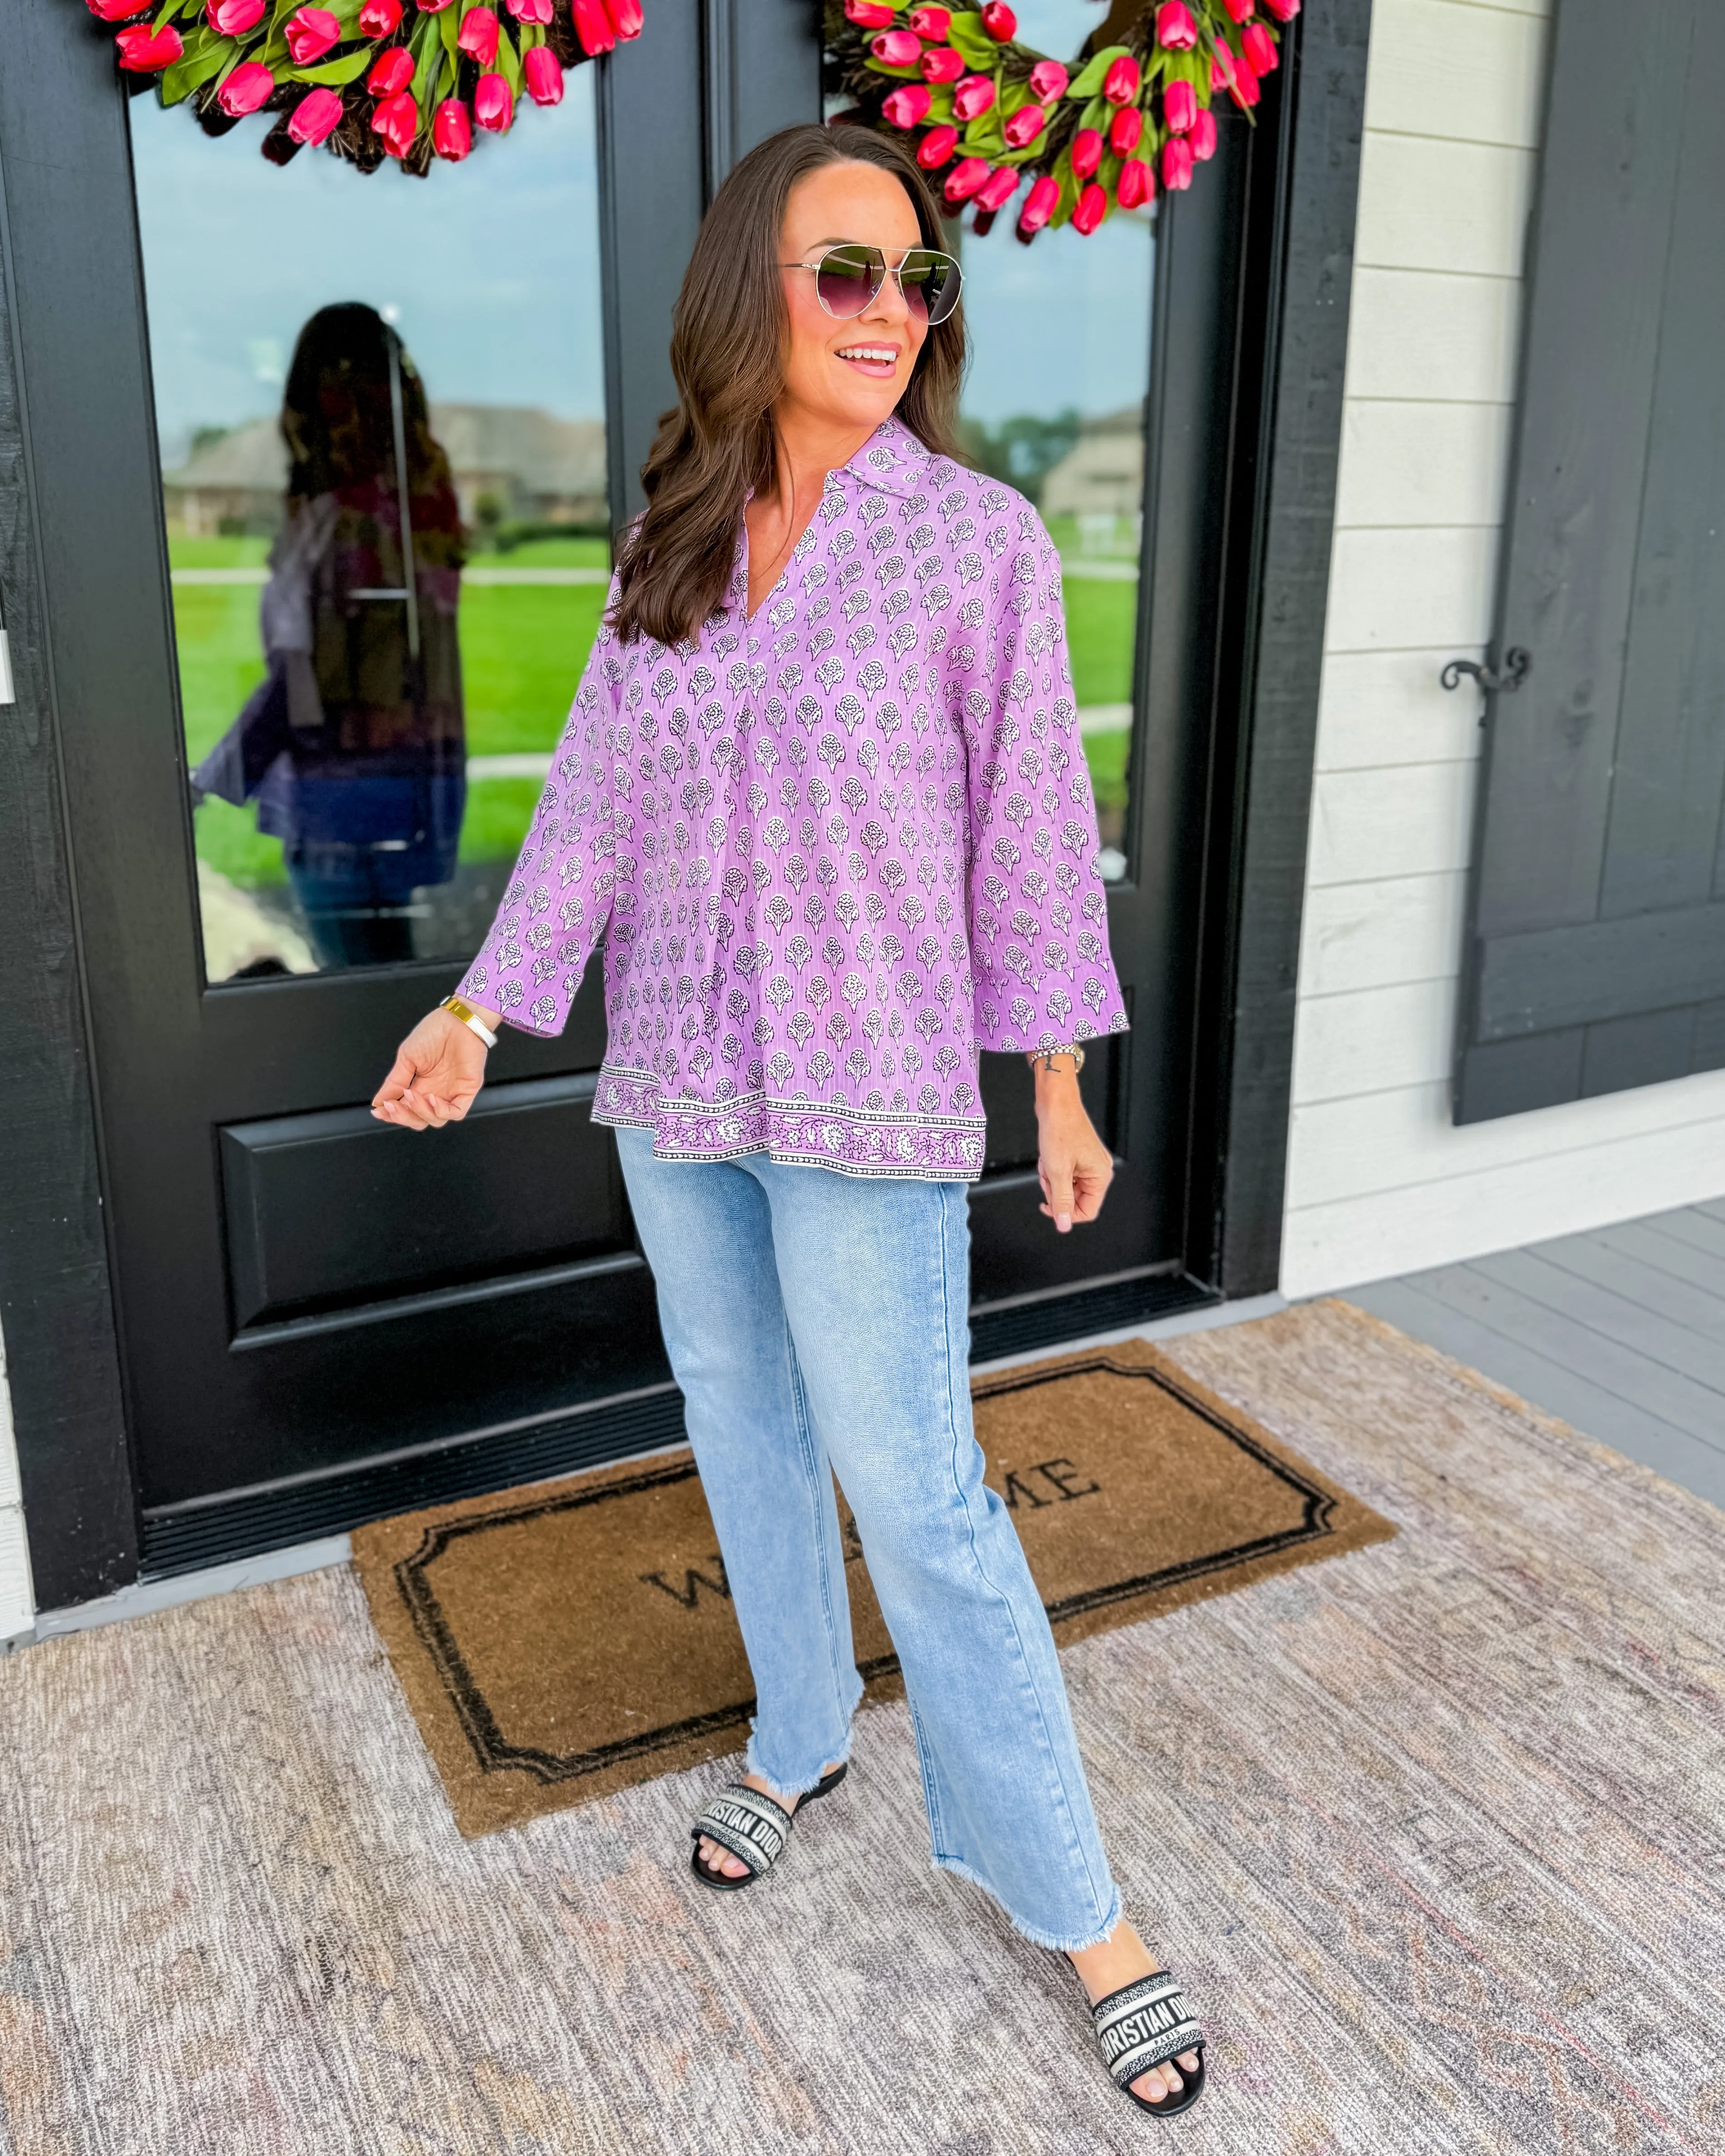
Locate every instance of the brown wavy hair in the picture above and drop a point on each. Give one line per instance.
(728, 355)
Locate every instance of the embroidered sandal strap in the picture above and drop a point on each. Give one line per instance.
(749, 1825)
(1142, 2024)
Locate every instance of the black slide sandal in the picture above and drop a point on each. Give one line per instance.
(1146, 2024)
(751, 1827)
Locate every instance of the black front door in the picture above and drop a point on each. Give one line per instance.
(288, 838)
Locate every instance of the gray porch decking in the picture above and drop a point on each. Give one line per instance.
(1620, 1332)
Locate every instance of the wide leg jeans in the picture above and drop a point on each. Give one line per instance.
(818, 1321)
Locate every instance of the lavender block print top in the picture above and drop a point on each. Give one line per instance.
(833, 850)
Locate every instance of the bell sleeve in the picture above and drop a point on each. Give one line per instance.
(559, 896)
(1041, 972)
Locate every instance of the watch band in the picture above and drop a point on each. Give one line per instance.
(1043, 1055)
(469, 1017)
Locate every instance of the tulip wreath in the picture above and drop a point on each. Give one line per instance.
(370, 78)
(1089, 137)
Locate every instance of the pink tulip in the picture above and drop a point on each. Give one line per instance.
(868, 14)
(942, 63)
(1240, 11)
(1040, 204)
(1025, 125)
(142, 50)
(392, 70)
(544, 73)
(998, 190)
(1175, 28)
(528, 10)
(233, 18)
(1124, 129)
(451, 131)
(311, 33)
(1092, 209)
(1120, 85)
(1202, 137)
(378, 17)
(116, 11)
(936, 146)
(896, 49)
(1221, 68)
(493, 103)
(1179, 107)
(1177, 162)
(999, 21)
(1283, 10)
(1258, 47)
(397, 120)
(433, 7)
(1136, 184)
(249, 86)
(1086, 152)
(626, 17)
(1244, 88)
(315, 116)
(478, 35)
(1048, 81)
(593, 26)
(934, 23)
(966, 177)
(907, 107)
(972, 97)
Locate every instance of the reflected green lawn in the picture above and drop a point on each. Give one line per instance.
(522, 649)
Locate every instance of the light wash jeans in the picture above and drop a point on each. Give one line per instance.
(819, 1321)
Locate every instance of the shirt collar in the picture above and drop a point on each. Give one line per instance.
(892, 461)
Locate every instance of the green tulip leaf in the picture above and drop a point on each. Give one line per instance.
(332, 73)
(193, 70)
(910, 74)
(1089, 81)
(967, 35)
(509, 64)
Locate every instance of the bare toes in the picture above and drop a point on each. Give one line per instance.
(1151, 2086)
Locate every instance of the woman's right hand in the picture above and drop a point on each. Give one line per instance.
(437, 1071)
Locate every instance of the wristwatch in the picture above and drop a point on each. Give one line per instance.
(469, 1017)
(1043, 1055)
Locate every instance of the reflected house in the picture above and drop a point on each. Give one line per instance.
(511, 464)
(1100, 481)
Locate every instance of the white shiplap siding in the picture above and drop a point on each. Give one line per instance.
(18, 1606)
(1379, 1180)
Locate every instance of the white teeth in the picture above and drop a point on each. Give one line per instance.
(887, 353)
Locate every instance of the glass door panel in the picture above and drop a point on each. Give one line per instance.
(370, 698)
(1054, 402)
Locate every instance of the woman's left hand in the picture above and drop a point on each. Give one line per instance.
(1073, 1166)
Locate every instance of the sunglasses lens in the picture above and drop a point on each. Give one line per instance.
(930, 283)
(847, 280)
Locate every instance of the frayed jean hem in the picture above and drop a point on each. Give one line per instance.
(1032, 1932)
(778, 1790)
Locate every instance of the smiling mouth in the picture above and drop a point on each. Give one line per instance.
(871, 358)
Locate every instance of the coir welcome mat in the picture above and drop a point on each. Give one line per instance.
(559, 1642)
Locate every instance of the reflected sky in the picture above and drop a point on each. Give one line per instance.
(489, 269)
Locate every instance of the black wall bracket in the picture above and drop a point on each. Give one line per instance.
(1516, 663)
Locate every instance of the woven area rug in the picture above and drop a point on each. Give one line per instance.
(1432, 1831)
(560, 1643)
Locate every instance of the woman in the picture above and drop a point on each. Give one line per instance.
(353, 745)
(822, 790)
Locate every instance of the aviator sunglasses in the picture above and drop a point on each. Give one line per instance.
(848, 276)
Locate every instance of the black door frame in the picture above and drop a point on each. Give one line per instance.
(1279, 458)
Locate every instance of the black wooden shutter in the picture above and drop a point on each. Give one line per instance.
(1596, 957)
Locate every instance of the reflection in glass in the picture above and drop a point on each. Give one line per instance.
(363, 800)
(351, 746)
(1054, 402)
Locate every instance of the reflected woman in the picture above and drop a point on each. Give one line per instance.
(353, 745)
(822, 794)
